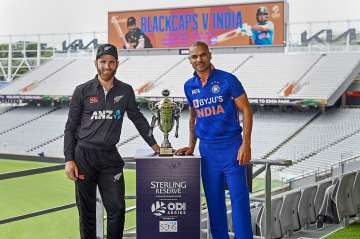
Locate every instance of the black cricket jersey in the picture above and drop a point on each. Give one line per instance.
(95, 119)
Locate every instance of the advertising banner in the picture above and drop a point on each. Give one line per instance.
(226, 25)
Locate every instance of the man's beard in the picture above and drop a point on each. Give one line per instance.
(107, 76)
(203, 68)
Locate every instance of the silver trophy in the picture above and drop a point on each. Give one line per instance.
(165, 113)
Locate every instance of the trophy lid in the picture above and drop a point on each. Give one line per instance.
(165, 93)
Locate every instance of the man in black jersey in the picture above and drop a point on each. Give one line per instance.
(92, 131)
(135, 39)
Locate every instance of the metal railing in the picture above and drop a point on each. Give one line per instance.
(267, 164)
(327, 170)
(100, 211)
(267, 200)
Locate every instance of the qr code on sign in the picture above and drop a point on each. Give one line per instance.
(168, 226)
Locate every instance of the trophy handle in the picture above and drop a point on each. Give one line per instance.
(151, 106)
(177, 127)
(152, 125)
(181, 106)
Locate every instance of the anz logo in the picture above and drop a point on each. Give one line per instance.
(106, 115)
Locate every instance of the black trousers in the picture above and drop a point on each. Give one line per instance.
(102, 168)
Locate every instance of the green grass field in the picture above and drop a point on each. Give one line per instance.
(18, 165)
(42, 191)
(350, 232)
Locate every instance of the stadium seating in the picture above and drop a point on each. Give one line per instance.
(306, 207)
(344, 196)
(32, 79)
(276, 71)
(356, 193)
(263, 75)
(25, 123)
(299, 209)
(289, 212)
(270, 129)
(319, 196)
(69, 76)
(327, 140)
(256, 213)
(276, 230)
(175, 78)
(331, 71)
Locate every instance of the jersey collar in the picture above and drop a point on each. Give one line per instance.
(198, 81)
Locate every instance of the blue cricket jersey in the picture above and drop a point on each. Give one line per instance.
(217, 117)
(264, 37)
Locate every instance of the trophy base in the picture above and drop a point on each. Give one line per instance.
(166, 151)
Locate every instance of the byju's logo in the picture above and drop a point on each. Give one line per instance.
(106, 115)
(158, 208)
(197, 103)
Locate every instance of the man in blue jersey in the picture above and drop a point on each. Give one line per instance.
(263, 31)
(215, 98)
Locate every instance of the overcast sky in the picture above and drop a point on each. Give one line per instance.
(69, 16)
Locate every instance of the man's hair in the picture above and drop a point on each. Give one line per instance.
(131, 21)
(200, 43)
(107, 49)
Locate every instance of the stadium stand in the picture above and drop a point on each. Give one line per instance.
(331, 71)
(270, 129)
(268, 133)
(264, 75)
(19, 116)
(32, 79)
(145, 73)
(22, 134)
(325, 141)
(295, 212)
(174, 79)
(69, 76)
(275, 73)
(4, 109)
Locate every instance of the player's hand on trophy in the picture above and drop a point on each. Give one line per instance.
(244, 154)
(71, 170)
(156, 148)
(185, 151)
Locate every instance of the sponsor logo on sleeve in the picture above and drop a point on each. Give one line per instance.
(93, 99)
(195, 91)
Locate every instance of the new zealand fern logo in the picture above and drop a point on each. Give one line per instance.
(158, 208)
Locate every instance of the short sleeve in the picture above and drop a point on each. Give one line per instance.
(270, 25)
(236, 88)
(187, 95)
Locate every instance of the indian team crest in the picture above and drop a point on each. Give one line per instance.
(215, 89)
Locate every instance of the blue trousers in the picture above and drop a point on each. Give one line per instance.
(219, 163)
